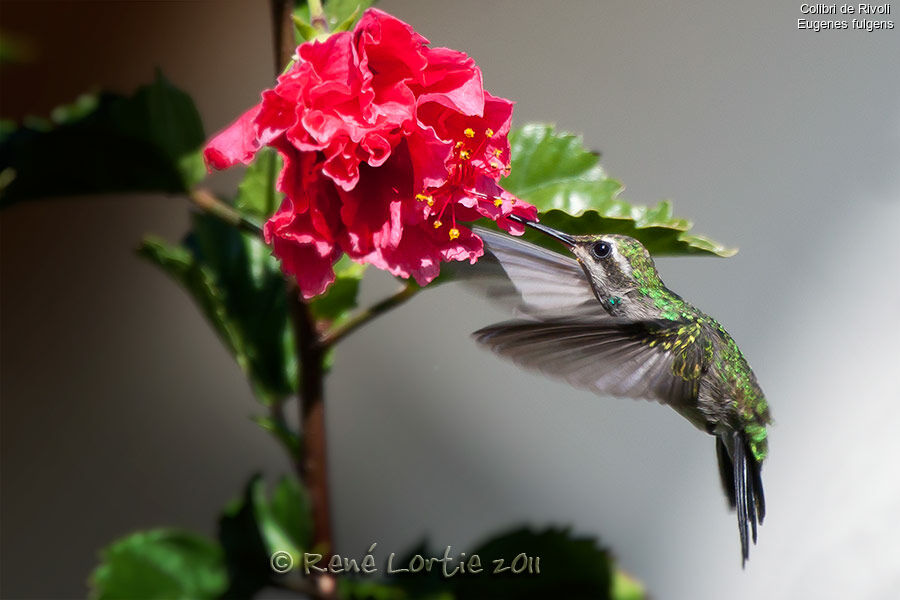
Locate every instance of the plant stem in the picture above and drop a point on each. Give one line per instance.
(361, 318)
(317, 16)
(312, 463)
(282, 32)
(208, 203)
(313, 460)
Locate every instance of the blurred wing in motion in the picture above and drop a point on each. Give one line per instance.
(607, 356)
(531, 280)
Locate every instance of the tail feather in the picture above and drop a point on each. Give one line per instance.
(726, 472)
(742, 482)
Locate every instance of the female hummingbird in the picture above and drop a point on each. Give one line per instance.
(604, 321)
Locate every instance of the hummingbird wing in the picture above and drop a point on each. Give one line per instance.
(609, 356)
(530, 279)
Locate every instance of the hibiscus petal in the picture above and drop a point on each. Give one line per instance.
(372, 212)
(236, 143)
(389, 48)
(302, 252)
(415, 256)
(378, 148)
(453, 80)
(276, 115)
(520, 209)
(341, 164)
(467, 246)
(332, 68)
(430, 156)
(381, 137)
(298, 173)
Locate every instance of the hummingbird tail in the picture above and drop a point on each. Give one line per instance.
(742, 482)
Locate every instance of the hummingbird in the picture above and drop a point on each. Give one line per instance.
(604, 321)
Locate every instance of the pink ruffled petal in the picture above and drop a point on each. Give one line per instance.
(382, 137)
(302, 252)
(237, 143)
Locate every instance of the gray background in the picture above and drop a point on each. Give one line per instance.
(121, 410)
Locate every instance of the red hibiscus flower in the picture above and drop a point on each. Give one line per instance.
(388, 146)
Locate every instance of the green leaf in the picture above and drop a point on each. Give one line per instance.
(289, 438)
(255, 526)
(339, 299)
(246, 556)
(363, 589)
(336, 304)
(570, 567)
(161, 563)
(303, 31)
(103, 143)
(256, 193)
(423, 584)
(625, 587)
(168, 119)
(239, 288)
(341, 14)
(285, 520)
(350, 21)
(82, 108)
(564, 180)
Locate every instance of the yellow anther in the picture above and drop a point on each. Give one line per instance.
(425, 198)
(437, 224)
(459, 145)
(454, 233)
(498, 202)
(464, 154)
(498, 152)
(469, 132)
(489, 132)
(495, 165)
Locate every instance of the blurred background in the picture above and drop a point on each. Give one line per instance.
(121, 410)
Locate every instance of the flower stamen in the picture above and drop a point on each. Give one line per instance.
(469, 132)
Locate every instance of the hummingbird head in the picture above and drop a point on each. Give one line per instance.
(614, 264)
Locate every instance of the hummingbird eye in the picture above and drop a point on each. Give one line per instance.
(601, 249)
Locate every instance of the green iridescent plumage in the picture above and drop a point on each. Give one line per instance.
(749, 402)
(607, 323)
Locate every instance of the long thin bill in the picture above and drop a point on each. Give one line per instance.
(565, 238)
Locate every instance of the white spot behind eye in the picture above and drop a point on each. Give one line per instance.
(623, 263)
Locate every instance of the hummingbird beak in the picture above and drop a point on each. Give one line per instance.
(565, 238)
